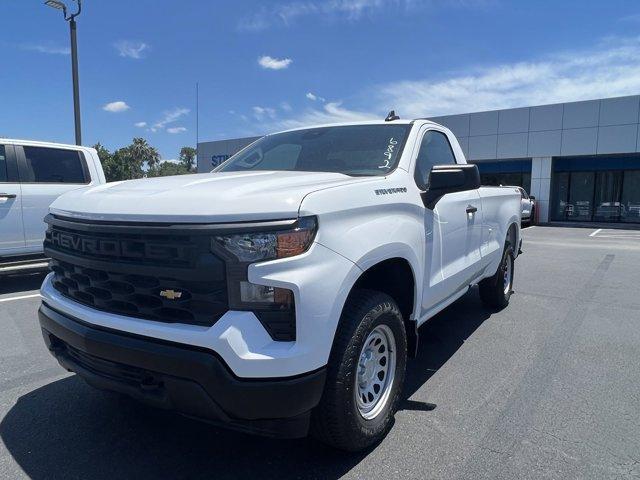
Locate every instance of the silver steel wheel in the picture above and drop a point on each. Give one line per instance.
(376, 370)
(507, 276)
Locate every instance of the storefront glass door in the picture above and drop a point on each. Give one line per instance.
(607, 197)
(580, 205)
(630, 200)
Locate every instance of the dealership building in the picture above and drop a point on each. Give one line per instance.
(580, 160)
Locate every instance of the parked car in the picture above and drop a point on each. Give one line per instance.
(281, 293)
(610, 211)
(633, 210)
(528, 206)
(32, 175)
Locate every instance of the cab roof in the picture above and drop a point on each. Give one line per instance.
(37, 143)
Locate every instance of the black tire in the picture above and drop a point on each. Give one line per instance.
(493, 291)
(337, 420)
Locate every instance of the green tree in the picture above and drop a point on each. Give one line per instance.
(114, 164)
(187, 158)
(164, 169)
(128, 162)
(143, 153)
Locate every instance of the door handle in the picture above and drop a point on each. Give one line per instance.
(7, 195)
(471, 209)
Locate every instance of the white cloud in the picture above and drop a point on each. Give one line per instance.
(313, 97)
(49, 49)
(271, 63)
(331, 112)
(631, 18)
(610, 69)
(116, 107)
(263, 112)
(140, 124)
(131, 49)
(285, 106)
(176, 130)
(285, 14)
(169, 116)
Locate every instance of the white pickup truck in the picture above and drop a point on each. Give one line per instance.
(32, 175)
(281, 293)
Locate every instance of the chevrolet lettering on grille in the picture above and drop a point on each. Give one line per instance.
(115, 247)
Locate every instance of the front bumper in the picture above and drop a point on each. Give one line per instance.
(320, 280)
(190, 380)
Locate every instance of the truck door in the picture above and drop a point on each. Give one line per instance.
(11, 229)
(453, 228)
(45, 174)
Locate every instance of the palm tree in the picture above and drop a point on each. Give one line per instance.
(142, 152)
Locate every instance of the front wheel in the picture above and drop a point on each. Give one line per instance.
(496, 290)
(365, 374)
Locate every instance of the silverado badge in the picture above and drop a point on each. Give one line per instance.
(170, 294)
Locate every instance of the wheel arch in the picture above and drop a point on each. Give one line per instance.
(395, 277)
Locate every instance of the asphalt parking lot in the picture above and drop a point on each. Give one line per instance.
(548, 388)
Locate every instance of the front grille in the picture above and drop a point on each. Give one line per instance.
(164, 276)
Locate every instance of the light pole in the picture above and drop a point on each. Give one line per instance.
(58, 5)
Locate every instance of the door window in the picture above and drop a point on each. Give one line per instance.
(434, 150)
(3, 165)
(52, 165)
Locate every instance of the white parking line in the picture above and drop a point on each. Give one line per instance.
(620, 236)
(21, 297)
(594, 233)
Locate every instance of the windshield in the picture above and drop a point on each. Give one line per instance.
(352, 150)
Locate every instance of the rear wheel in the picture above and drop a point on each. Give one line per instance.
(495, 291)
(365, 374)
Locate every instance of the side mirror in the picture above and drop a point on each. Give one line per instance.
(532, 197)
(445, 179)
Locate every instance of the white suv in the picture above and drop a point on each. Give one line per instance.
(32, 175)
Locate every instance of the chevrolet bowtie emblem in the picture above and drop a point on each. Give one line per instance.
(170, 294)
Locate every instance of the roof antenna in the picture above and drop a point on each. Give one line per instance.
(392, 116)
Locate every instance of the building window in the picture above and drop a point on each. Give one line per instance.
(509, 172)
(596, 189)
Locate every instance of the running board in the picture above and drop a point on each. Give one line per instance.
(24, 266)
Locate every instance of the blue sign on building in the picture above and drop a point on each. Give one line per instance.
(218, 159)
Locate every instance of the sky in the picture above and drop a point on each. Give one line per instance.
(264, 66)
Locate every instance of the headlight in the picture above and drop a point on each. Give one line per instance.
(273, 306)
(259, 246)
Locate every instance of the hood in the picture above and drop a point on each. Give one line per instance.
(201, 198)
